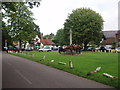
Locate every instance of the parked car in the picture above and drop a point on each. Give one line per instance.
(55, 48)
(117, 49)
(23, 49)
(13, 49)
(28, 49)
(45, 49)
(91, 49)
(103, 49)
(113, 50)
(97, 48)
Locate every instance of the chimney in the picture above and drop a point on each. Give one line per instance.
(41, 36)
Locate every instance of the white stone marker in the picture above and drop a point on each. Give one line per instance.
(52, 61)
(43, 58)
(70, 64)
(108, 75)
(62, 63)
(98, 69)
(28, 54)
(33, 55)
(95, 71)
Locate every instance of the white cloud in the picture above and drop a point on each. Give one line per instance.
(51, 14)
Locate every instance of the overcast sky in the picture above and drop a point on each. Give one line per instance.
(51, 14)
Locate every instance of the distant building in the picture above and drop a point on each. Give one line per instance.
(46, 42)
(35, 44)
(118, 38)
(110, 38)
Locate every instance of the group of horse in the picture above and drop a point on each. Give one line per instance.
(74, 49)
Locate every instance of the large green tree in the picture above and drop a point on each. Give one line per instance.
(86, 26)
(7, 37)
(20, 21)
(49, 36)
(59, 37)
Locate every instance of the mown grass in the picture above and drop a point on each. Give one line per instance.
(82, 64)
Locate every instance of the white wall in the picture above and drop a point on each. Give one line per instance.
(37, 38)
(41, 46)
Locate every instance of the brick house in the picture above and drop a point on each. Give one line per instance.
(46, 42)
(118, 38)
(110, 38)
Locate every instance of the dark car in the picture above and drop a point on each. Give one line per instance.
(103, 49)
(55, 48)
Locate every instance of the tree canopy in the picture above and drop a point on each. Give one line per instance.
(49, 36)
(59, 37)
(19, 21)
(86, 26)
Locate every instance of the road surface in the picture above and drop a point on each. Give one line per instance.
(22, 73)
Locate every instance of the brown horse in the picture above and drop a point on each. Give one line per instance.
(72, 48)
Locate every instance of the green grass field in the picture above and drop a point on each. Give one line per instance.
(82, 64)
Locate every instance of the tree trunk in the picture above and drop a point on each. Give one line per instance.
(20, 43)
(25, 44)
(85, 46)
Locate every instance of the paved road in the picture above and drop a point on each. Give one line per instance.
(23, 73)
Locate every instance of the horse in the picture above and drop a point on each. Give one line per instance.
(72, 48)
(61, 49)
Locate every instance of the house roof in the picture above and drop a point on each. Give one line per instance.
(108, 41)
(47, 42)
(110, 37)
(110, 34)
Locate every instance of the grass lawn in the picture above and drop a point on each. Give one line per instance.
(82, 64)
